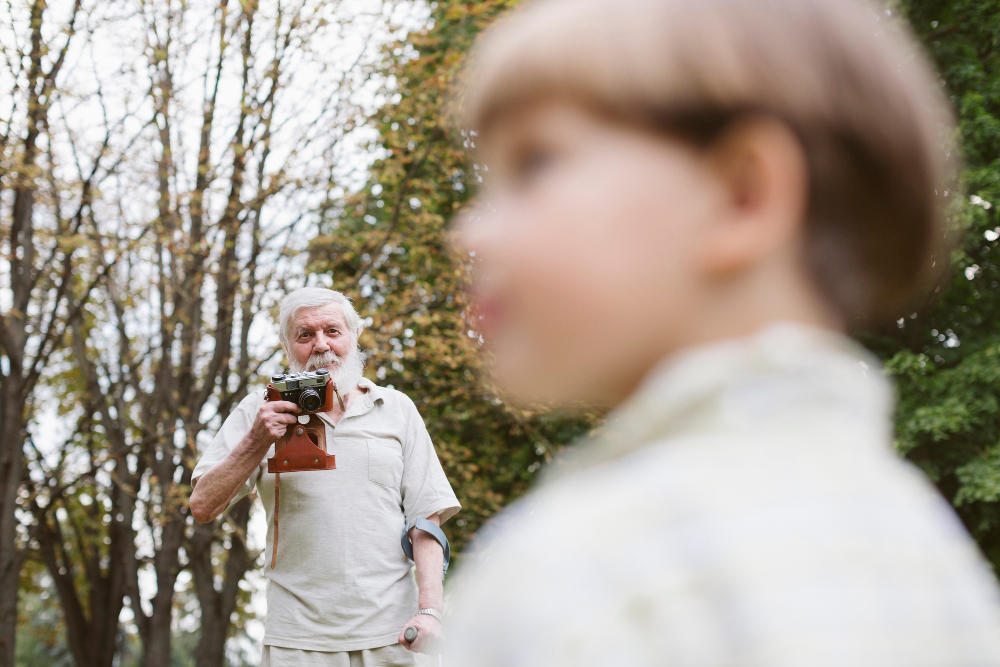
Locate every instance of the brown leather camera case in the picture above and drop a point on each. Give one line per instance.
(304, 445)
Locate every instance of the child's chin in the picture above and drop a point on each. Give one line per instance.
(528, 389)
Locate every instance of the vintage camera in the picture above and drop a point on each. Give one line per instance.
(309, 390)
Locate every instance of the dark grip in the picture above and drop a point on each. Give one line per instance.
(410, 634)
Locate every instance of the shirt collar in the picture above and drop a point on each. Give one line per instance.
(777, 372)
(364, 403)
(374, 393)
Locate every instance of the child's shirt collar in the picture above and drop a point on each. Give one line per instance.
(786, 373)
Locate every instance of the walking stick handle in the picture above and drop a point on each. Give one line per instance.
(410, 634)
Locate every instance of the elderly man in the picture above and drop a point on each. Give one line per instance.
(340, 592)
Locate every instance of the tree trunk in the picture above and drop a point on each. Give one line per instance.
(11, 434)
(33, 91)
(156, 643)
(93, 639)
(217, 605)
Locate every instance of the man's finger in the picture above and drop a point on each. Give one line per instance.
(281, 407)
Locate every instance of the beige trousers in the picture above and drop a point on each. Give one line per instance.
(393, 655)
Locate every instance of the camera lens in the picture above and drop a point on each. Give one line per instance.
(310, 401)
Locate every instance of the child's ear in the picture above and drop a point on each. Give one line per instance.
(762, 168)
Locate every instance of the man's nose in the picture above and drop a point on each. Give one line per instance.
(321, 344)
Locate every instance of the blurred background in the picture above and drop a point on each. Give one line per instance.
(169, 169)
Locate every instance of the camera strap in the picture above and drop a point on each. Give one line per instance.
(274, 547)
(430, 528)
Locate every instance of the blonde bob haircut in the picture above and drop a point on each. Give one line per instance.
(845, 77)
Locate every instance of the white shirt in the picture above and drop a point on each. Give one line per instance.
(342, 582)
(743, 508)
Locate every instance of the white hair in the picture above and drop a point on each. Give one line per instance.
(315, 297)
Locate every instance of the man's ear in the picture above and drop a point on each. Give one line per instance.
(763, 170)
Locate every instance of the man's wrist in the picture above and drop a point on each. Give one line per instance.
(256, 441)
(430, 611)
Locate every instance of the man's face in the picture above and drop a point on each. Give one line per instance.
(585, 240)
(315, 332)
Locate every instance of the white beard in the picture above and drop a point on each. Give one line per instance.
(347, 372)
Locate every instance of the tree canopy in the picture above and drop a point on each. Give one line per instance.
(945, 355)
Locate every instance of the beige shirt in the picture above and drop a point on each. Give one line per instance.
(342, 582)
(744, 508)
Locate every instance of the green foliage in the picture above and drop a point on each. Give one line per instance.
(387, 246)
(946, 356)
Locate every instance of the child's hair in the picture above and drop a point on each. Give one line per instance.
(845, 77)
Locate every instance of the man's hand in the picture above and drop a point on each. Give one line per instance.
(428, 633)
(272, 421)
(219, 485)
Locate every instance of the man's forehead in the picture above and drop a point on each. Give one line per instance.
(331, 313)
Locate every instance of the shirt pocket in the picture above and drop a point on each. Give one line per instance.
(385, 463)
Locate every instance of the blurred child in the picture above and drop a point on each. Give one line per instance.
(689, 203)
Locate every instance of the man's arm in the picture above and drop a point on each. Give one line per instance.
(214, 489)
(428, 556)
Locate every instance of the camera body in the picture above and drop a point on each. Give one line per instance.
(310, 390)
